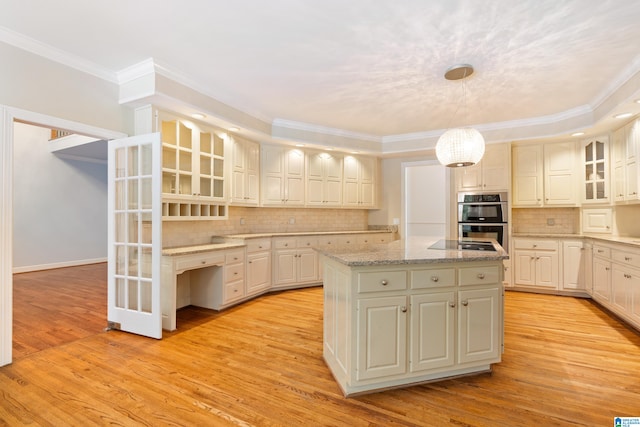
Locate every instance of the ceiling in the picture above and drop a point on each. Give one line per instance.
(371, 69)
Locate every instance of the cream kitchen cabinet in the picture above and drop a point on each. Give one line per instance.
(324, 179)
(625, 283)
(545, 174)
(245, 183)
(233, 288)
(490, 174)
(360, 182)
(601, 290)
(536, 263)
(626, 144)
(411, 323)
(258, 266)
(283, 176)
(597, 220)
(595, 169)
(574, 265)
(294, 262)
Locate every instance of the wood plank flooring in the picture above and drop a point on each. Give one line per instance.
(567, 362)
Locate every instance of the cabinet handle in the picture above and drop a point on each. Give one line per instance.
(384, 282)
(535, 246)
(434, 278)
(403, 309)
(203, 262)
(452, 304)
(480, 276)
(465, 303)
(286, 244)
(250, 262)
(600, 251)
(627, 258)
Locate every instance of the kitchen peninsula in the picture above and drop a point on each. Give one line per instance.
(404, 313)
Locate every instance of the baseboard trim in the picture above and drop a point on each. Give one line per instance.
(51, 266)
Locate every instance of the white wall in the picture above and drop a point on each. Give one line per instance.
(59, 205)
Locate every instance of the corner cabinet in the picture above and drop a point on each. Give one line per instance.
(283, 176)
(595, 170)
(626, 144)
(389, 326)
(490, 174)
(360, 185)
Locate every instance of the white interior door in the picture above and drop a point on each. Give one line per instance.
(135, 235)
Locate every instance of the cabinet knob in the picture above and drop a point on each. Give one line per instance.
(250, 262)
(452, 304)
(535, 246)
(384, 282)
(286, 244)
(481, 276)
(465, 303)
(203, 262)
(627, 258)
(434, 278)
(403, 309)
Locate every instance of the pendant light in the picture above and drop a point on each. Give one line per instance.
(460, 147)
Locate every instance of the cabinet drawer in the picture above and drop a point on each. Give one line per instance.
(601, 251)
(233, 291)
(479, 275)
(233, 272)
(199, 260)
(432, 278)
(382, 281)
(328, 240)
(348, 239)
(628, 258)
(374, 238)
(286, 243)
(257, 245)
(306, 242)
(234, 257)
(532, 244)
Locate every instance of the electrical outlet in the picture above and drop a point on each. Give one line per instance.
(242, 221)
(551, 221)
(292, 220)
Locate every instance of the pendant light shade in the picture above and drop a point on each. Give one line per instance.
(460, 147)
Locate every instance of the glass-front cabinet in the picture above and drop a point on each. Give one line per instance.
(595, 163)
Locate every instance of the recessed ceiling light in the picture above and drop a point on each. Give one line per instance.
(198, 116)
(234, 129)
(637, 101)
(577, 134)
(622, 115)
(299, 145)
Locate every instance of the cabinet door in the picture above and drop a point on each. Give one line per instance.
(432, 331)
(595, 170)
(547, 269)
(634, 295)
(560, 173)
(285, 267)
(381, 337)
(307, 265)
(495, 167)
(469, 178)
(525, 271)
(258, 272)
(620, 288)
(601, 279)
(527, 175)
(573, 265)
(479, 325)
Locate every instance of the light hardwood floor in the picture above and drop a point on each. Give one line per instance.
(567, 362)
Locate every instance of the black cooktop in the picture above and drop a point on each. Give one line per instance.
(463, 245)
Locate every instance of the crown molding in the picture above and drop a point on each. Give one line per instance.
(54, 54)
(616, 84)
(308, 127)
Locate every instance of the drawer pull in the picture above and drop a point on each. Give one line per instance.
(434, 278)
(403, 309)
(384, 282)
(452, 304)
(481, 276)
(235, 273)
(627, 258)
(465, 303)
(286, 244)
(600, 251)
(203, 262)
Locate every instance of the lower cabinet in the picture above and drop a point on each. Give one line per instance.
(536, 263)
(295, 262)
(411, 324)
(601, 290)
(258, 266)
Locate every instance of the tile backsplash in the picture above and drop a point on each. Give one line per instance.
(546, 221)
(263, 220)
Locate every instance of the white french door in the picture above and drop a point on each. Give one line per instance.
(135, 234)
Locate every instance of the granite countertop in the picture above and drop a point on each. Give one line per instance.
(238, 241)
(626, 240)
(406, 251)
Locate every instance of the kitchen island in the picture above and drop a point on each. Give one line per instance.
(402, 313)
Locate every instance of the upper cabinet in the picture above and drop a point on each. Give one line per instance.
(360, 182)
(490, 174)
(324, 179)
(283, 176)
(544, 175)
(626, 142)
(595, 170)
(245, 180)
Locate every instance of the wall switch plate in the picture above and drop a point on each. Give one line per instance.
(241, 221)
(396, 221)
(551, 221)
(292, 220)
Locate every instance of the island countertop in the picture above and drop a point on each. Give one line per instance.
(413, 250)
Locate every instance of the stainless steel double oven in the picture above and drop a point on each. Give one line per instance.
(484, 215)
